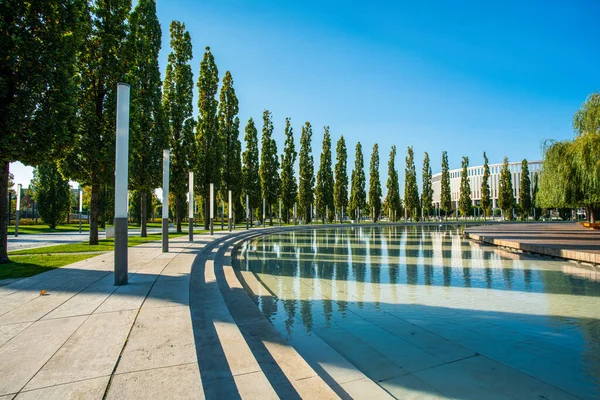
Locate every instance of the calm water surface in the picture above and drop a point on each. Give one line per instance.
(420, 310)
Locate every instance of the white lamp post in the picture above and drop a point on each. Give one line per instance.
(18, 210)
(247, 210)
(212, 207)
(165, 201)
(191, 205)
(121, 183)
(80, 206)
(230, 211)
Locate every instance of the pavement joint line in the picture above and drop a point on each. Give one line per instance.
(152, 369)
(60, 384)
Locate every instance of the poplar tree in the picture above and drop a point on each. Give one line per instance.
(534, 196)
(324, 186)
(340, 187)
(525, 192)
(427, 192)
(374, 184)
(177, 104)
(148, 133)
(208, 146)
(506, 198)
(358, 197)
(250, 169)
(445, 193)
(464, 202)
(52, 193)
(485, 202)
(392, 200)
(306, 173)
(40, 40)
(102, 64)
(411, 190)
(269, 165)
(289, 187)
(229, 132)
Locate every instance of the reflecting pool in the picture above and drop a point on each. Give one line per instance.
(425, 313)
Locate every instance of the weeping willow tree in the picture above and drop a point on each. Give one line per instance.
(570, 175)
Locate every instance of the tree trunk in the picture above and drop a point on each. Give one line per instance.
(592, 217)
(94, 203)
(207, 212)
(178, 212)
(4, 166)
(270, 215)
(144, 212)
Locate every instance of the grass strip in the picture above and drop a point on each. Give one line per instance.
(29, 265)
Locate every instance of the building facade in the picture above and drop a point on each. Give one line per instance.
(475, 178)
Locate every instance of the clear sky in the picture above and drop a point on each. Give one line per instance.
(465, 77)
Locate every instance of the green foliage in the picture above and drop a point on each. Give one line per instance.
(324, 186)
(208, 146)
(587, 118)
(306, 173)
(525, 192)
(427, 192)
(445, 194)
(40, 43)
(358, 197)
(340, 187)
(534, 195)
(52, 193)
(269, 165)
(250, 169)
(29, 265)
(135, 206)
(485, 202)
(392, 200)
(374, 185)
(289, 187)
(411, 190)
(177, 104)
(102, 64)
(148, 130)
(464, 201)
(506, 197)
(229, 131)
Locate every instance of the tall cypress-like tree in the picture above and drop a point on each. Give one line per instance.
(52, 193)
(392, 200)
(411, 190)
(269, 165)
(427, 192)
(537, 211)
(208, 146)
(289, 187)
(40, 40)
(148, 127)
(102, 64)
(445, 194)
(506, 197)
(464, 202)
(358, 197)
(374, 184)
(340, 187)
(324, 187)
(525, 192)
(250, 169)
(177, 104)
(229, 132)
(485, 202)
(306, 173)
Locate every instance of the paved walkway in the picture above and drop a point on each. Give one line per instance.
(566, 240)
(152, 338)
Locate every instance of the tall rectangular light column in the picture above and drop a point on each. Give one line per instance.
(230, 215)
(80, 206)
(18, 210)
(247, 210)
(165, 200)
(280, 212)
(121, 184)
(191, 205)
(212, 206)
(264, 211)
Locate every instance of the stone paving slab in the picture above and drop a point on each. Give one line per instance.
(565, 240)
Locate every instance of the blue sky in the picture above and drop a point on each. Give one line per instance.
(479, 76)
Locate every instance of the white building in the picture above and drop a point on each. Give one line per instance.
(475, 177)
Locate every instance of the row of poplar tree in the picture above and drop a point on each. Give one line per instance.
(60, 64)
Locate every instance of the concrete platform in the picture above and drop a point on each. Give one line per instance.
(565, 240)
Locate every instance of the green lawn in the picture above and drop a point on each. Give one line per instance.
(41, 228)
(24, 266)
